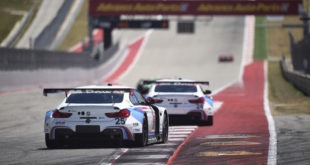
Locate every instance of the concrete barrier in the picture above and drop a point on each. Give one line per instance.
(26, 69)
(26, 59)
(300, 80)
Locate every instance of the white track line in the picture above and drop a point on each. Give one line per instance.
(248, 44)
(136, 157)
(272, 152)
(139, 163)
(177, 136)
(167, 144)
(184, 129)
(179, 132)
(176, 139)
(152, 149)
(172, 127)
(115, 157)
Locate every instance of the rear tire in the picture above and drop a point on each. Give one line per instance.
(141, 139)
(51, 144)
(210, 121)
(165, 129)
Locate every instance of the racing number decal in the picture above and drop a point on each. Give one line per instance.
(120, 121)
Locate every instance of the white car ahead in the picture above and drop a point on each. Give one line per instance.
(184, 99)
(106, 113)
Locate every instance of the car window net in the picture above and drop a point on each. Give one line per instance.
(175, 88)
(95, 98)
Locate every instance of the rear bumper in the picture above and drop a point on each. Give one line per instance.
(195, 115)
(110, 133)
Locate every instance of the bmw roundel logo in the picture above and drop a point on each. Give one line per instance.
(88, 113)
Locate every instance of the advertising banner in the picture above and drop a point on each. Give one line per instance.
(194, 7)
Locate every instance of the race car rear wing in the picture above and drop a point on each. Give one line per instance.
(85, 90)
(145, 82)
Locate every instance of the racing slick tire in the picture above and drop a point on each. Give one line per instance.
(209, 122)
(165, 129)
(141, 139)
(51, 144)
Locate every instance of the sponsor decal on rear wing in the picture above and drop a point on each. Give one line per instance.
(145, 82)
(86, 90)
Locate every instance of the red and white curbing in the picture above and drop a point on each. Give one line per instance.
(177, 136)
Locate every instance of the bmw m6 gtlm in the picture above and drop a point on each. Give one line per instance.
(184, 99)
(106, 112)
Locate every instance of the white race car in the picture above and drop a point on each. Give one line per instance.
(184, 99)
(107, 113)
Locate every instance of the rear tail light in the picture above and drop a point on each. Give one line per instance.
(57, 114)
(155, 100)
(195, 101)
(121, 113)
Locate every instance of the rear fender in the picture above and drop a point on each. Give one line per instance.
(208, 100)
(48, 116)
(137, 114)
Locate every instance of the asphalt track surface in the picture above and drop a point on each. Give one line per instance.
(164, 54)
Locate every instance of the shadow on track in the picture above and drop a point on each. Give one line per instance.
(182, 121)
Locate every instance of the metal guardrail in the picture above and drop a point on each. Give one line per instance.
(299, 80)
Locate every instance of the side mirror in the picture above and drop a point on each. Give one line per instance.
(150, 100)
(207, 92)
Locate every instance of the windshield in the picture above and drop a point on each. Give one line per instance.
(95, 98)
(175, 88)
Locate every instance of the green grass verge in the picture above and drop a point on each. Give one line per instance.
(260, 42)
(17, 4)
(283, 96)
(8, 20)
(78, 31)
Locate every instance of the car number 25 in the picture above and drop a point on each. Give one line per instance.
(120, 121)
